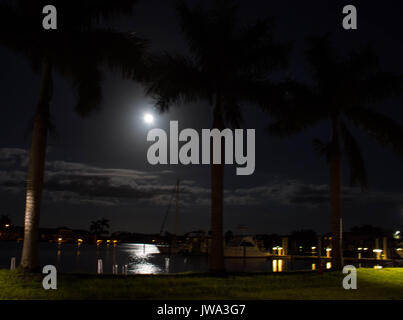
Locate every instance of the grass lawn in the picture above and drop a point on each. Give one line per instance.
(372, 284)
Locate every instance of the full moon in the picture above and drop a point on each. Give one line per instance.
(148, 118)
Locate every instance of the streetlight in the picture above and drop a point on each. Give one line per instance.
(359, 253)
(378, 253)
(278, 250)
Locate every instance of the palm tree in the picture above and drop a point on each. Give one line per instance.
(104, 223)
(227, 67)
(99, 227)
(76, 50)
(345, 91)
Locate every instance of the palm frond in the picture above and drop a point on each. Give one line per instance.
(302, 109)
(87, 81)
(231, 111)
(174, 80)
(224, 61)
(354, 157)
(119, 51)
(270, 96)
(258, 53)
(322, 57)
(363, 82)
(194, 26)
(382, 128)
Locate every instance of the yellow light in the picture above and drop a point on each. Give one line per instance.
(7, 225)
(275, 262)
(328, 265)
(328, 249)
(365, 248)
(115, 241)
(60, 239)
(107, 241)
(280, 266)
(79, 240)
(377, 250)
(313, 266)
(359, 249)
(378, 267)
(313, 248)
(399, 249)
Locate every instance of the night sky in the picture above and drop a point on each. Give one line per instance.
(97, 166)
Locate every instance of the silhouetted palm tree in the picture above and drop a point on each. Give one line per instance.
(99, 227)
(227, 67)
(346, 90)
(76, 50)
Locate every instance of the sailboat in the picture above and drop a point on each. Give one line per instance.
(239, 247)
(244, 247)
(174, 247)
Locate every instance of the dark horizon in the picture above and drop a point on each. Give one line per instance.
(97, 166)
(368, 230)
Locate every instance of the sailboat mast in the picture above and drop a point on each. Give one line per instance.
(173, 244)
(177, 208)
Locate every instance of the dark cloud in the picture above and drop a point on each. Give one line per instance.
(300, 194)
(77, 183)
(82, 185)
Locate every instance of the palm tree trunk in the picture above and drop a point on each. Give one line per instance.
(216, 261)
(335, 188)
(36, 170)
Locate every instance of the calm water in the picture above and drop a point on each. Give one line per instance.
(141, 259)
